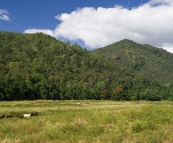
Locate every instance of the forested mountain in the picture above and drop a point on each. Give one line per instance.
(151, 62)
(37, 66)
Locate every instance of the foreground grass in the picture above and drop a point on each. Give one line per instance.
(92, 121)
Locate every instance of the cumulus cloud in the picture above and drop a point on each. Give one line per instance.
(150, 23)
(4, 15)
(161, 2)
(168, 47)
(45, 31)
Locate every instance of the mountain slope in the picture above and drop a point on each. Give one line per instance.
(151, 62)
(38, 66)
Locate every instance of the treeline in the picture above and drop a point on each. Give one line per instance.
(37, 66)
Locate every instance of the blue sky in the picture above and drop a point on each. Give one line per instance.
(92, 23)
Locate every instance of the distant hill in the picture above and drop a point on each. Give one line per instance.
(151, 62)
(38, 66)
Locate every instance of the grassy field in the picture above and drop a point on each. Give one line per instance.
(90, 122)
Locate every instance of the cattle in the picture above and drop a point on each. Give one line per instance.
(26, 115)
(34, 113)
(2, 116)
(9, 116)
(19, 116)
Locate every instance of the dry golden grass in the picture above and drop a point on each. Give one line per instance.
(92, 121)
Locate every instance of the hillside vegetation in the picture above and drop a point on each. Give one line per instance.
(153, 63)
(37, 66)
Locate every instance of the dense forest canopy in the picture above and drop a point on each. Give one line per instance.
(154, 63)
(38, 66)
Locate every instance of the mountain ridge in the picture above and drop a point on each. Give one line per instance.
(140, 57)
(38, 66)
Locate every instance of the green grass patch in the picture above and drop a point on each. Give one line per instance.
(92, 121)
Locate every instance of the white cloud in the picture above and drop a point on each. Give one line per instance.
(150, 23)
(45, 31)
(4, 15)
(161, 2)
(168, 47)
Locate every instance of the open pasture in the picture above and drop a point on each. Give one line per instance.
(90, 122)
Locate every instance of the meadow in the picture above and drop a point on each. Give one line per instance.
(90, 122)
